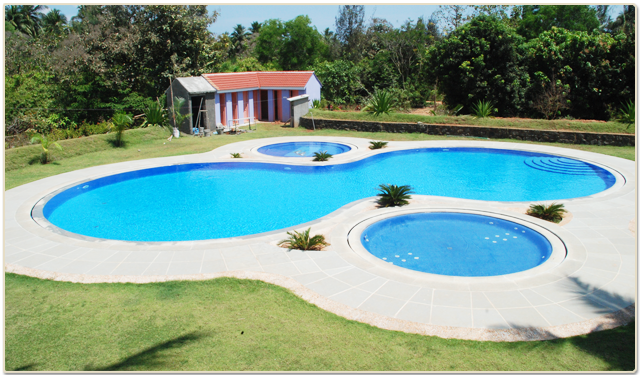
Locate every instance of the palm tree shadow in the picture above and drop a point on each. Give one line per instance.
(114, 143)
(29, 367)
(612, 342)
(154, 358)
(34, 160)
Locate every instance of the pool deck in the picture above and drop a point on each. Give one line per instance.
(593, 288)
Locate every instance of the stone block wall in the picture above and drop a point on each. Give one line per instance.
(556, 136)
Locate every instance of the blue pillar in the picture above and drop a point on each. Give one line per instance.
(217, 109)
(285, 105)
(272, 104)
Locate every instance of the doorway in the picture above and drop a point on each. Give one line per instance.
(264, 105)
(197, 106)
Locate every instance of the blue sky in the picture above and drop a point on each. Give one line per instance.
(322, 16)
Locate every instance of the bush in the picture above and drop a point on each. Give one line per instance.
(553, 212)
(380, 102)
(394, 195)
(303, 241)
(482, 109)
(377, 145)
(628, 113)
(321, 156)
(45, 142)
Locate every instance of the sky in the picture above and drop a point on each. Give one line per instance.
(322, 16)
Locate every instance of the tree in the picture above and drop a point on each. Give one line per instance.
(451, 16)
(255, 27)
(238, 37)
(602, 12)
(596, 67)
(350, 30)
(302, 45)
(269, 42)
(340, 81)
(54, 23)
(293, 45)
(539, 18)
(625, 22)
(24, 18)
(480, 61)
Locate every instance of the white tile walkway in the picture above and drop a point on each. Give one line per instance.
(594, 287)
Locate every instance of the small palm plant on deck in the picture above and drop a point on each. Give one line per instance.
(321, 156)
(304, 241)
(553, 212)
(394, 195)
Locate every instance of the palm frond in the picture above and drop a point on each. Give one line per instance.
(394, 195)
(553, 212)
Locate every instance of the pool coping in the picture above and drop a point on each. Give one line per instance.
(22, 235)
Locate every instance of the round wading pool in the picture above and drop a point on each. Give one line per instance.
(456, 244)
(303, 149)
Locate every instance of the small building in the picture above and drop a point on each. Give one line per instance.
(226, 100)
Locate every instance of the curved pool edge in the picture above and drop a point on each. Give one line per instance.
(608, 268)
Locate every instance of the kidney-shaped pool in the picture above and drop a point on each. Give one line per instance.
(230, 199)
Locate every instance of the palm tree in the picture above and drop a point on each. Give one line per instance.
(625, 22)
(553, 212)
(45, 143)
(121, 121)
(54, 22)
(255, 27)
(21, 18)
(238, 36)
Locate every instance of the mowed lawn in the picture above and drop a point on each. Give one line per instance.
(240, 325)
(245, 325)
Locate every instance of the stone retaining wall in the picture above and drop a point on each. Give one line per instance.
(600, 139)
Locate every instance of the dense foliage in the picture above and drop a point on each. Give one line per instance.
(69, 77)
(480, 61)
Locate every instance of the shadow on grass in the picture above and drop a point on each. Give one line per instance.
(114, 143)
(29, 367)
(615, 346)
(154, 358)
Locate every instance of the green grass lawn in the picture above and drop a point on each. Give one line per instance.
(245, 325)
(522, 123)
(229, 324)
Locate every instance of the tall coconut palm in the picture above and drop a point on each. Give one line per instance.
(23, 18)
(238, 36)
(54, 22)
(255, 27)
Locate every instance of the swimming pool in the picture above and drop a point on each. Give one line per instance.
(456, 244)
(231, 199)
(303, 149)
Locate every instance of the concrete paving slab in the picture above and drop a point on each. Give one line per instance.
(452, 298)
(328, 286)
(415, 312)
(451, 316)
(351, 297)
(488, 318)
(382, 305)
(523, 318)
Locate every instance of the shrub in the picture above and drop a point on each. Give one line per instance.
(236, 155)
(321, 156)
(45, 143)
(553, 212)
(380, 102)
(155, 114)
(377, 145)
(628, 113)
(303, 241)
(482, 109)
(394, 195)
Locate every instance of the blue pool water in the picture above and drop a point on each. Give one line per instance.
(303, 149)
(219, 200)
(456, 244)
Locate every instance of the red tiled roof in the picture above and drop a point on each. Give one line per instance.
(249, 80)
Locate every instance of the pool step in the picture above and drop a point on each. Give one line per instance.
(561, 165)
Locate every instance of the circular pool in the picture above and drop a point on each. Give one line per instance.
(456, 244)
(303, 149)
